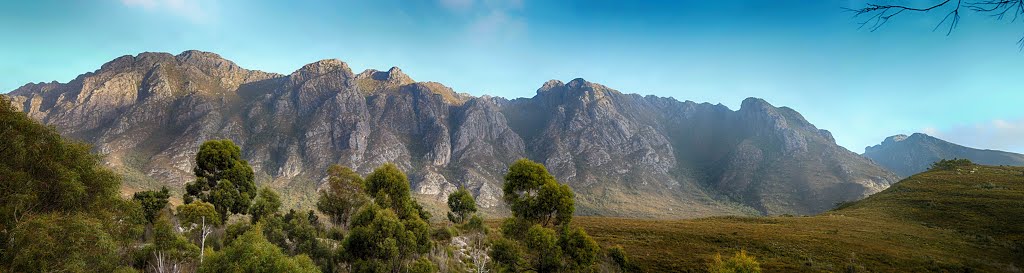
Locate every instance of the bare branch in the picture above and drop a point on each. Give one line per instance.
(878, 15)
(882, 13)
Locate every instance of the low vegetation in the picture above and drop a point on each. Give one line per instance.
(942, 220)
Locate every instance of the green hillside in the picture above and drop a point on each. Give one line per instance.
(969, 219)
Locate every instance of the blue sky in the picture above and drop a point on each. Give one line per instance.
(808, 55)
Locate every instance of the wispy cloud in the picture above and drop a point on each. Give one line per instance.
(489, 20)
(999, 134)
(196, 11)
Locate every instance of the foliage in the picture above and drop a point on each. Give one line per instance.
(302, 231)
(223, 178)
(538, 201)
(543, 245)
(578, 248)
(235, 230)
(41, 172)
(266, 204)
(950, 164)
(389, 187)
(197, 213)
(125, 223)
(59, 207)
(618, 256)
(444, 234)
(739, 263)
(251, 252)
(381, 239)
(475, 223)
(61, 242)
(345, 192)
(462, 205)
(168, 248)
(388, 230)
(506, 254)
(152, 202)
(534, 195)
(423, 265)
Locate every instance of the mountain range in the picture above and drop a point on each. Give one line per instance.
(624, 154)
(909, 155)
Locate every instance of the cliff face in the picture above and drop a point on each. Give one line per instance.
(625, 154)
(909, 155)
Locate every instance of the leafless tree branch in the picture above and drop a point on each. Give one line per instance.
(879, 14)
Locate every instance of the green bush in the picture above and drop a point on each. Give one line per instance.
(506, 254)
(618, 256)
(251, 252)
(739, 263)
(543, 242)
(462, 205)
(951, 164)
(61, 242)
(423, 265)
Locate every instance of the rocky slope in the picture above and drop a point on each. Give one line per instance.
(625, 154)
(909, 155)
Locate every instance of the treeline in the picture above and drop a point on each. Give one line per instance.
(62, 212)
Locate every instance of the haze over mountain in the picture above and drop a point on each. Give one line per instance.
(624, 154)
(909, 155)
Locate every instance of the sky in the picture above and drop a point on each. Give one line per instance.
(808, 55)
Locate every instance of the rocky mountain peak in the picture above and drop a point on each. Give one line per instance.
(393, 77)
(205, 60)
(551, 85)
(321, 77)
(578, 83)
(755, 104)
(577, 90)
(30, 88)
(896, 138)
(145, 59)
(198, 55)
(322, 67)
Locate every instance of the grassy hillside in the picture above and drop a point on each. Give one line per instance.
(965, 220)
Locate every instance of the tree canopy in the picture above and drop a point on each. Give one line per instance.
(59, 207)
(534, 195)
(462, 205)
(530, 242)
(152, 202)
(223, 178)
(345, 192)
(251, 252)
(55, 242)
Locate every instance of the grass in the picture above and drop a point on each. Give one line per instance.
(938, 221)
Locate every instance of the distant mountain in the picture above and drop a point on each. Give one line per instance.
(908, 155)
(624, 154)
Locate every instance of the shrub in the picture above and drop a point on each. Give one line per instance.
(950, 164)
(462, 205)
(739, 263)
(618, 256)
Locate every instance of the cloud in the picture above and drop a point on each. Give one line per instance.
(497, 25)
(489, 20)
(998, 134)
(196, 11)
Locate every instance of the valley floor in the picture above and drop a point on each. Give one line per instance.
(963, 220)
